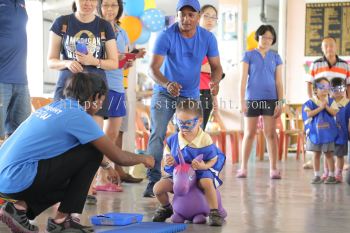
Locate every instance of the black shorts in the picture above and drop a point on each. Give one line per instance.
(257, 108)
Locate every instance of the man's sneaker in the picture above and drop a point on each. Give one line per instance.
(324, 176)
(162, 213)
(70, 225)
(339, 178)
(214, 218)
(149, 190)
(16, 220)
(316, 180)
(330, 180)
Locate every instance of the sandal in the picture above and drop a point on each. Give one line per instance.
(241, 174)
(109, 188)
(275, 175)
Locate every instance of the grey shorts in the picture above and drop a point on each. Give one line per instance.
(328, 147)
(341, 150)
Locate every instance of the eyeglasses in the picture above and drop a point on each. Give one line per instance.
(322, 86)
(113, 6)
(187, 125)
(208, 17)
(338, 89)
(89, 1)
(266, 38)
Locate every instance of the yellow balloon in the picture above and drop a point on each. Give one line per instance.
(133, 27)
(150, 4)
(251, 42)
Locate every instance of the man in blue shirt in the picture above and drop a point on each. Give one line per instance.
(175, 67)
(14, 93)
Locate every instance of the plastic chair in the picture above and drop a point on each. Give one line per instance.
(292, 129)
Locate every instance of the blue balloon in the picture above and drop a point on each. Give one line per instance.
(134, 7)
(144, 37)
(153, 20)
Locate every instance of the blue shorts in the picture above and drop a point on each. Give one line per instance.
(116, 104)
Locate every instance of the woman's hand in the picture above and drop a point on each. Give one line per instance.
(243, 108)
(113, 176)
(86, 59)
(148, 161)
(141, 53)
(128, 64)
(278, 111)
(196, 165)
(74, 66)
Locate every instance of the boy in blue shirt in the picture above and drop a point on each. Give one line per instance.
(318, 115)
(192, 141)
(338, 90)
(53, 157)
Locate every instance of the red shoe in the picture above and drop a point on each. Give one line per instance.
(324, 176)
(109, 188)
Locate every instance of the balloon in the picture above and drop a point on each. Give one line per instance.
(153, 19)
(134, 7)
(251, 42)
(150, 4)
(144, 37)
(133, 27)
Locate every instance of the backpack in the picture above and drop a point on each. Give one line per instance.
(64, 29)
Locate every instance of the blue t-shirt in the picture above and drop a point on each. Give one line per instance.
(115, 77)
(47, 133)
(321, 128)
(261, 84)
(13, 42)
(342, 120)
(183, 57)
(88, 33)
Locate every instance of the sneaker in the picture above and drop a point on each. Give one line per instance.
(330, 180)
(316, 180)
(162, 213)
(241, 174)
(149, 190)
(16, 220)
(70, 225)
(130, 179)
(214, 218)
(275, 175)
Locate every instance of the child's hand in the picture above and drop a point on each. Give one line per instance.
(323, 103)
(196, 165)
(169, 160)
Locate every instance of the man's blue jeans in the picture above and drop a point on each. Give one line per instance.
(163, 107)
(14, 107)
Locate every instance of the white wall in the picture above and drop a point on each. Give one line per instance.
(296, 91)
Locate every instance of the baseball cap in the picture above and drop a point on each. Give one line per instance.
(192, 3)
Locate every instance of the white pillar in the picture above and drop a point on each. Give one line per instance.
(282, 38)
(35, 58)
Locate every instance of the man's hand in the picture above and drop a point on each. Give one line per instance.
(214, 88)
(148, 161)
(174, 89)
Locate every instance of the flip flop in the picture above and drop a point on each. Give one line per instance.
(109, 188)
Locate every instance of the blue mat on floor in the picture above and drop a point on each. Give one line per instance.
(150, 227)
